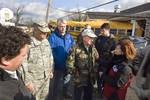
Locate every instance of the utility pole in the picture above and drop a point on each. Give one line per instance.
(47, 11)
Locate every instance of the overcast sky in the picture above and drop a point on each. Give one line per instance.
(36, 9)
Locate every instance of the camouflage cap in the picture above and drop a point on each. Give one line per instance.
(43, 27)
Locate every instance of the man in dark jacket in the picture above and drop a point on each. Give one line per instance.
(13, 49)
(104, 44)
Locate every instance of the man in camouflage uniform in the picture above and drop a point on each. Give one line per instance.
(81, 64)
(39, 63)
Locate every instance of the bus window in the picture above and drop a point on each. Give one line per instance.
(78, 29)
(97, 30)
(71, 28)
(113, 31)
(121, 32)
(67, 28)
(129, 32)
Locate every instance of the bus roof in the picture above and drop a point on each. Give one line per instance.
(98, 23)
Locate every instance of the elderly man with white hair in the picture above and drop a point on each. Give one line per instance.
(82, 66)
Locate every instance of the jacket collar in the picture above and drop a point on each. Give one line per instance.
(83, 46)
(36, 42)
(13, 74)
(58, 34)
(5, 75)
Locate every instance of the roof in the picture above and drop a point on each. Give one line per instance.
(140, 12)
(117, 16)
(101, 15)
(137, 9)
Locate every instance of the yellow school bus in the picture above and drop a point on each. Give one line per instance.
(117, 28)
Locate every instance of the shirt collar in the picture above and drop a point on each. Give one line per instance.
(12, 74)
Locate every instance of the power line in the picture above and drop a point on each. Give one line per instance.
(99, 5)
(90, 8)
(63, 10)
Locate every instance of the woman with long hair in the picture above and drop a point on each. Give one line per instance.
(118, 76)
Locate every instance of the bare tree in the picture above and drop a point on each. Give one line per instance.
(18, 14)
(78, 17)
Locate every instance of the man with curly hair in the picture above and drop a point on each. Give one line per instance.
(13, 49)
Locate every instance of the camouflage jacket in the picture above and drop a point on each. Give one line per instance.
(81, 64)
(39, 62)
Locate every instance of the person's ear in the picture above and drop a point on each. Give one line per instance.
(122, 52)
(102, 30)
(4, 61)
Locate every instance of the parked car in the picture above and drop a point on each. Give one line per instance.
(139, 42)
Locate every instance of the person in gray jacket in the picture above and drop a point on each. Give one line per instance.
(143, 90)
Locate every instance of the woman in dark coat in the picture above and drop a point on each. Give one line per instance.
(118, 76)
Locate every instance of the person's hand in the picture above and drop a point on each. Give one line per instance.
(51, 75)
(30, 87)
(67, 78)
(100, 74)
